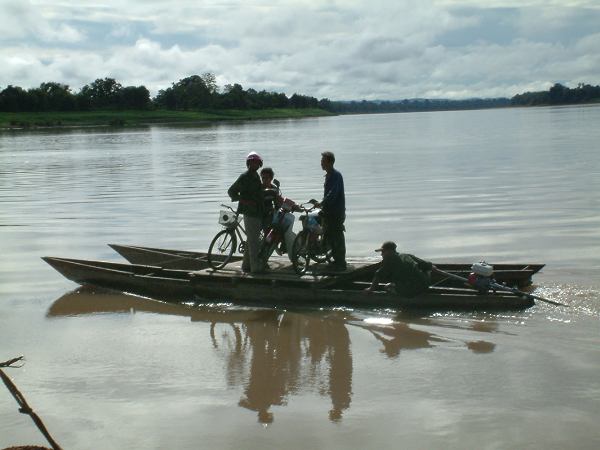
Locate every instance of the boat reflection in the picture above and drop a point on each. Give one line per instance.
(275, 354)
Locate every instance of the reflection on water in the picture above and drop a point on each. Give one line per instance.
(276, 354)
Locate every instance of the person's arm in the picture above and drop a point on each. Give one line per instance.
(382, 273)
(374, 283)
(279, 199)
(234, 190)
(335, 189)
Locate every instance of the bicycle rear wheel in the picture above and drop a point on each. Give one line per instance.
(221, 249)
(301, 252)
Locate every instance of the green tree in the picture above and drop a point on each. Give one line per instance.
(210, 81)
(234, 97)
(15, 99)
(188, 93)
(303, 101)
(102, 93)
(57, 97)
(134, 97)
(557, 94)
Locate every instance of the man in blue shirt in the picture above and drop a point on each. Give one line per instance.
(333, 209)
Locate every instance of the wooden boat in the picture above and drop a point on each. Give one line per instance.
(280, 287)
(518, 275)
(168, 259)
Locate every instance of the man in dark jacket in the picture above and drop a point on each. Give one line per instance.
(247, 190)
(406, 274)
(333, 209)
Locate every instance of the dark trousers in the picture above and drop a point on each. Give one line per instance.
(333, 229)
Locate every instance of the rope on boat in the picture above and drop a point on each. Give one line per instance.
(165, 262)
(24, 407)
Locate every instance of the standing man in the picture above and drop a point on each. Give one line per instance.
(333, 209)
(247, 190)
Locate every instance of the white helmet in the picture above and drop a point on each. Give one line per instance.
(253, 156)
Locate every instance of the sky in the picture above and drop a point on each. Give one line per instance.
(336, 49)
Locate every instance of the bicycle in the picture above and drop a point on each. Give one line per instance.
(310, 244)
(225, 241)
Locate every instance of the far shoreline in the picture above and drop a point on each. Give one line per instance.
(23, 121)
(132, 118)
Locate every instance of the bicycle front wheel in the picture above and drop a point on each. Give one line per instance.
(221, 249)
(301, 252)
(321, 250)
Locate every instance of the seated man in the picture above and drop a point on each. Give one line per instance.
(407, 275)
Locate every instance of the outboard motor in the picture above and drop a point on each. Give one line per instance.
(481, 277)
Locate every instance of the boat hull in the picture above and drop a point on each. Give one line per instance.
(276, 289)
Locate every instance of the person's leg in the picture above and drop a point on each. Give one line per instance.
(338, 247)
(246, 262)
(246, 255)
(253, 226)
(289, 236)
(334, 234)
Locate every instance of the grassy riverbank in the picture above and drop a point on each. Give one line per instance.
(133, 118)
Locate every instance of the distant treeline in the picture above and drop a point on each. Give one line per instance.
(556, 95)
(416, 105)
(559, 95)
(201, 93)
(192, 93)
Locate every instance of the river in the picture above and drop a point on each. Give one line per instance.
(107, 370)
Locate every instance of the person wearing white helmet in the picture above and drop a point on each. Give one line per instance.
(247, 191)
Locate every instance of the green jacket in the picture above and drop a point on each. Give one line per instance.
(409, 273)
(247, 190)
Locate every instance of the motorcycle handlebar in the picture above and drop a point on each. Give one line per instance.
(305, 209)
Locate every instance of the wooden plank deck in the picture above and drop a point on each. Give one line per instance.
(280, 269)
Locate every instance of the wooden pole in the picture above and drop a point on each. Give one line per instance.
(24, 406)
(501, 287)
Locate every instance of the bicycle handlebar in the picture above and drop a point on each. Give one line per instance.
(228, 207)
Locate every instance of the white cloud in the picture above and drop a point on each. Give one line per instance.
(23, 20)
(335, 49)
(520, 3)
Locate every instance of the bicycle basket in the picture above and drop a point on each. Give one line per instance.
(227, 218)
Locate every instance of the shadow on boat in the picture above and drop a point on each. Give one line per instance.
(275, 354)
